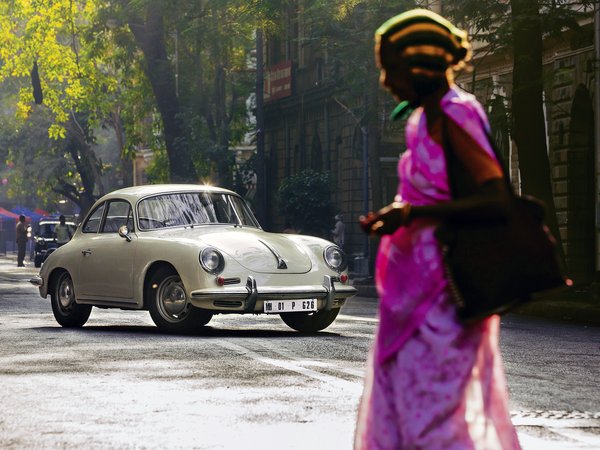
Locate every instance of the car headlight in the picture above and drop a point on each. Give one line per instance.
(212, 260)
(335, 258)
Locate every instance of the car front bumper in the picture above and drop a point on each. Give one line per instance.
(249, 299)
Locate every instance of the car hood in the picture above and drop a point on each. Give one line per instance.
(256, 250)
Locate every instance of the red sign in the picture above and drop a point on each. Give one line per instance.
(278, 81)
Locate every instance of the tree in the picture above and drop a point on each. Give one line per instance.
(304, 200)
(47, 44)
(148, 28)
(529, 126)
(522, 36)
(195, 57)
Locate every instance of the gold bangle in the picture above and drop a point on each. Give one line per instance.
(405, 207)
(406, 213)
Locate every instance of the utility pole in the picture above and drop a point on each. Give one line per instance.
(597, 126)
(365, 179)
(261, 185)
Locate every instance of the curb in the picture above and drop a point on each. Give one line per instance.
(565, 310)
(576, 305)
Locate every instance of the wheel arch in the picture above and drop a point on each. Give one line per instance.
(152, 269)
(53, 277)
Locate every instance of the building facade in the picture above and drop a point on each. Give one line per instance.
(307, 127)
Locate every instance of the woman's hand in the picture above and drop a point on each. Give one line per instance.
(387, 220)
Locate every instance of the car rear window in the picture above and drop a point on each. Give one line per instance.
(46, 230)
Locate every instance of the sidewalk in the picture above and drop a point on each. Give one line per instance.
(9, 269)
(579, 304)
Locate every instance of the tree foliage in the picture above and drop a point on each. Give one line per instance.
(304, 200)
(168, 76)
(52, 45)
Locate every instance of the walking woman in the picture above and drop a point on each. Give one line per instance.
(432, 382)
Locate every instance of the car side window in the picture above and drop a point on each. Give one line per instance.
(118, 214)
(92, 223)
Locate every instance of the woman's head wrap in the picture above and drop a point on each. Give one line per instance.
(426, 41)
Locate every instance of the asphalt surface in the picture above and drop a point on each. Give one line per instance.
(119, 383)
(579, 304)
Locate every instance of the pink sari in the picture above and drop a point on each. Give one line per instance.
(431, 382)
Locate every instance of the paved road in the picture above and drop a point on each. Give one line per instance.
(247, 382)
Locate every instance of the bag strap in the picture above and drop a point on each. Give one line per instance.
(460, 180)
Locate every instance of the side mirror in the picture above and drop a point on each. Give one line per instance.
(124, 233)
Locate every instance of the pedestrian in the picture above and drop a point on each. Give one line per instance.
(62, 232)
(338, 231)
(431, 382)
(21, 232)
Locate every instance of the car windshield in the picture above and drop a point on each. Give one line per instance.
(193, 208)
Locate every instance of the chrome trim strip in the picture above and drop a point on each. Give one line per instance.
(252, 294)
(328, 284)
(280, 262)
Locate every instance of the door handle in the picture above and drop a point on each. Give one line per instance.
(86, 252)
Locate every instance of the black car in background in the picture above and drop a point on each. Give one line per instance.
(45, 243)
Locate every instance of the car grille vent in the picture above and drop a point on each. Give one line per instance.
(227, 303)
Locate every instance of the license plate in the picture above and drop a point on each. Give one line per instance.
(279, 306)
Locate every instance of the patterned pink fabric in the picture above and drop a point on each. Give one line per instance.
(432, 383)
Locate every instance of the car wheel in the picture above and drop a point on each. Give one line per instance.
(310, 322)
(169, 306)
(64, 306)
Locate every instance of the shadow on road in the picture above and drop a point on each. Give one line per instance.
(205, 332)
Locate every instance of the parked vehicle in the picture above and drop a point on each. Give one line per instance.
(44, 239)
(187, 252)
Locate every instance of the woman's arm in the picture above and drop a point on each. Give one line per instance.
(490, 201)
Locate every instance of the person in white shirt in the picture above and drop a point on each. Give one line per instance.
(62, 233)
(338, 231)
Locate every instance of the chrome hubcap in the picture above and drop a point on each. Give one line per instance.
(172, 301)
(65, 293)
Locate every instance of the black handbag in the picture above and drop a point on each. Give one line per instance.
(495, 265)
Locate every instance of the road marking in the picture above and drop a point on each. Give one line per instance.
(357, 319)
(557, 429)
(571, 442)
(309, 362)
(351, 387)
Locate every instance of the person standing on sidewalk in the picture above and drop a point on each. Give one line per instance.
(432, 382)
(339, 231)
(21, 233)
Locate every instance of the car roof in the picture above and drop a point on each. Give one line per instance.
(55, 220)
(134, 193)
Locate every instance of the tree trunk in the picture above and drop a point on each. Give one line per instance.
(529, 126)
(150, 37)
(125, 158)
(77, 145)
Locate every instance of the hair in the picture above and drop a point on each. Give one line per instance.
(428, 43)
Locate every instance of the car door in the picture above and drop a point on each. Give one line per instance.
(106, 270)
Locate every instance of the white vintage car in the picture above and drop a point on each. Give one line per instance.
(187, 252)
